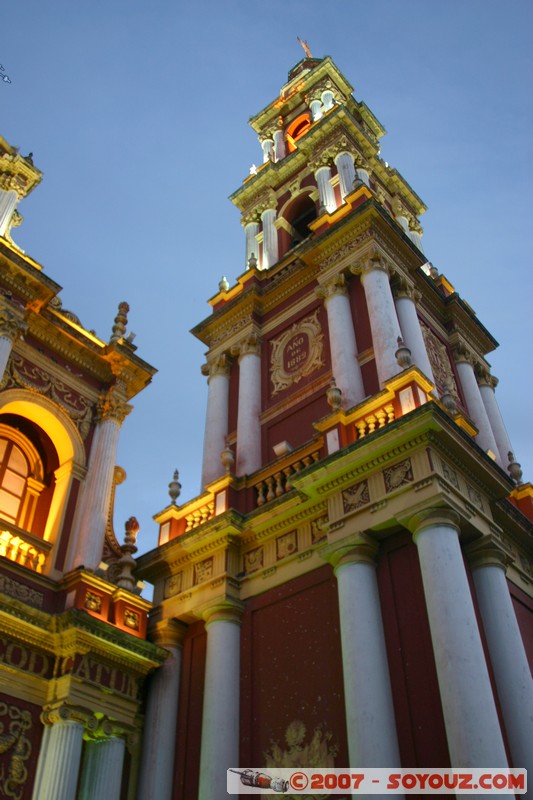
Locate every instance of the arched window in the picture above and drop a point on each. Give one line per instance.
(21, 477)
(299, 214)
(296, 129)
(13, 479)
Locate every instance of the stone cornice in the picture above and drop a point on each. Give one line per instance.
(75, 631)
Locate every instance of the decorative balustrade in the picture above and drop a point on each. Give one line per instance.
(378, 419)
(22, 547)
(279, 482)
(199, 515)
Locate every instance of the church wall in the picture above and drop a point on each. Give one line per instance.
(189, 727)
(419, 719)
(291, 668)
(523, 606)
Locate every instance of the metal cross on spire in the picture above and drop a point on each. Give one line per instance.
(305, 47)
(3, 76)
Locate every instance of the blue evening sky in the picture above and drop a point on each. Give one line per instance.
(137, 113)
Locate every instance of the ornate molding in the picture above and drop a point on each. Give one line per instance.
(217, 365)
(296, 353)
(26, 375)
(12, 323)
(111, 406)
(250, 345)
(337, 285)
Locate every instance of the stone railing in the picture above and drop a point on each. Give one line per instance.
(372, 422)
(199, 515)
(22, 547)
(278, 482)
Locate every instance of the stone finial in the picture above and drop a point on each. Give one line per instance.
(448, 401)
(174, 487)
(252, 261)
(121, 320)
(403, 354)
(223, 284)
(127, 563)
(334, 395)
(226, 456)
(433, 272)
(514, 468)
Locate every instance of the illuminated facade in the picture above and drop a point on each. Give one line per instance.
(346, 589)
(73, 649)
(353, 585)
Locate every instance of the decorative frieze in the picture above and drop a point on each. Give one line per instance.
(286, 545)
(253, 560)
(439, 360)
(173, 584)
(26, 375)
(203, 571)
(398, 475)
(21, 592)
(355, 496)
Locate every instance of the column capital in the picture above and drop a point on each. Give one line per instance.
(168, 633)
(484, 377)
(336, 285)
(463, 355)
(63, 713)
(429, 517)
(404, 288)
(217, 365)
(12, 321)
(371, 263)
(360, 548)
(222, 611)
(111, 406)
(250, 218)
(251, 344)
(488, 551)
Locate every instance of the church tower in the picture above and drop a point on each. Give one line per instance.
(352, 586)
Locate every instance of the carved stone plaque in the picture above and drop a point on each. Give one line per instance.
(296, 353)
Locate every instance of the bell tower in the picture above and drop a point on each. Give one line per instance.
(363, 523)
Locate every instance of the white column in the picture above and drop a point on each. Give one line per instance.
(267, 146)
(279, 145)
(59, 758)
(157, 777)
(346, 170)
(6, 346)
(315, 107)
(475, 406)
(270, 238)
(91, 517)
(343, 347)
(382, 314)
(472, 726)
(251, 229)
(328, 99)
(216, 421)
(249, 406)
(325, 189)
(411, 330)
(415, 234)
(363, 174)
(487, 384)
(220, 718)
(101, 775)
(507, 654)
(8, 202)
(370, 721)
